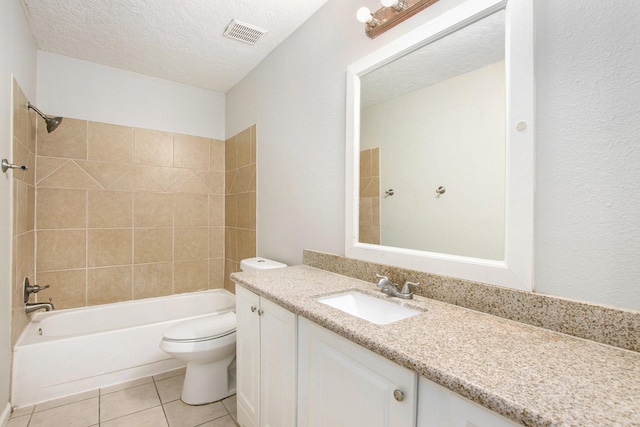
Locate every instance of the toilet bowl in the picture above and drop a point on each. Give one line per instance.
(208, 345)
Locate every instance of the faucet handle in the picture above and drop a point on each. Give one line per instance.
(384, 281)
(406, 289)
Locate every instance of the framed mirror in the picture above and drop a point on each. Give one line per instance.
(440, 147)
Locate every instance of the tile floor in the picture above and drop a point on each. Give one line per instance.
(147, 402)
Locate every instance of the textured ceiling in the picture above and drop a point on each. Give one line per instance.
(177, 40)
(475, 46)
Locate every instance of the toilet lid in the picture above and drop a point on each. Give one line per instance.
(202, 328)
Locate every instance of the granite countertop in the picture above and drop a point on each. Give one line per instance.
(531, 375)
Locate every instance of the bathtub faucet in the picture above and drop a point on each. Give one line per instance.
(33, 306)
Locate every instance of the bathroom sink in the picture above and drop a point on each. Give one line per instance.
(369, 308)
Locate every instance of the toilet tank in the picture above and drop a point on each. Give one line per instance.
(259, 263)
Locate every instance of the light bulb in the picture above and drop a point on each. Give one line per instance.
(364, 15)
(396, 4)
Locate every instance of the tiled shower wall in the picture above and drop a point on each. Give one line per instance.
(22, 262)
(126, 213)
(240, 201)
(369, 220)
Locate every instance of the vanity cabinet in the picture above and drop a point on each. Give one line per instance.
(266, 342)
(342, 384)
(439, 407)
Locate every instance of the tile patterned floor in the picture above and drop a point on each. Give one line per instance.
(147, 402)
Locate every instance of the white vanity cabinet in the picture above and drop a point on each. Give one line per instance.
(342, 384)
(266, 342)
(439, 407)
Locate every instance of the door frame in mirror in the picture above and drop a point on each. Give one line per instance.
(516, 271)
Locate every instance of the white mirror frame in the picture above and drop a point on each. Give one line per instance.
(516, 271)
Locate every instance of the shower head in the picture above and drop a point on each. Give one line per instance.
(52, 122)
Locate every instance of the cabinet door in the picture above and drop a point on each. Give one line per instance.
(439, 407)
(278, 337)
(344, 385)
(248, 357)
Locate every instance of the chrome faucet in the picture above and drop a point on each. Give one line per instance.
(388, 287)
(33, 306)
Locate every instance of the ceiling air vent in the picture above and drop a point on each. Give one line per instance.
(244, 32)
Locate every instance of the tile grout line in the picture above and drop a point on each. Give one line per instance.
(160, 399)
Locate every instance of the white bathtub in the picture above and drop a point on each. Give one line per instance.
(64, 352)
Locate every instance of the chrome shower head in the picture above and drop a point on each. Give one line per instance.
(52, 122)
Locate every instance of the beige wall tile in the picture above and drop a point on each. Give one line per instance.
(231, 210)
(23, 258)
(110, 143)
(254, 140)
(214, 181)
(247, 176)
(191, 244)
(190, 183)
(69, 140)
(246, 246)
(230, 178)
(109, 247)
(370, 187)
(375, 162)
(216, 210)
(375, 211)
(33, 121)
(20, 156)
(31, 208)
(164, 176)
(190, 152)
(20, 114)
(152, 245)
(153, 210)
(104, 173)
(216, 242)
(243, 210)
(365, 164)
(153, 147)
(230, 243)
(231, 154)
(253, 210)
(60, 250)
(191, 210)
(136, 180)
(70, 175)
(190, 276)
(244, 148)
(365, 211)
(108, 285)
(230, 267)
(67, 288)
(19, 207)
(216, 152)
(216, 273)
(48, 165)
(110, 209)
(61, 208)
(152, 280)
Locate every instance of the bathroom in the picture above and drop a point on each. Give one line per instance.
(586, 222)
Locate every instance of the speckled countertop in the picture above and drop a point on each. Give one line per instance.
(531, 375)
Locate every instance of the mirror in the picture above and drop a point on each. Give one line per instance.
(440, 147)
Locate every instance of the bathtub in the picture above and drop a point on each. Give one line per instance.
(64, 352)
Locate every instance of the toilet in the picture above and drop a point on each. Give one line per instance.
(208, 345)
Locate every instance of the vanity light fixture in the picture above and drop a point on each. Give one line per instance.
(390, 14)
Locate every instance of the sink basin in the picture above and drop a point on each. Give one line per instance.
(369, 308)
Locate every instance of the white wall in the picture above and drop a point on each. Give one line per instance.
(587, 218)
(17, 57)
(588, 151)
(85, 90)
(449, 134)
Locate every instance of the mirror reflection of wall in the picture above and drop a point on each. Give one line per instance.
(450, 133)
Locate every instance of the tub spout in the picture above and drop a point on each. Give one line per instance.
(33, 306)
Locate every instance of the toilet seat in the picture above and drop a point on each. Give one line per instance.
(203, 328)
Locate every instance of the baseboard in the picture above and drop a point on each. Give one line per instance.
(4, 417)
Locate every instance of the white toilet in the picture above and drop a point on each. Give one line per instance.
(208, 345)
